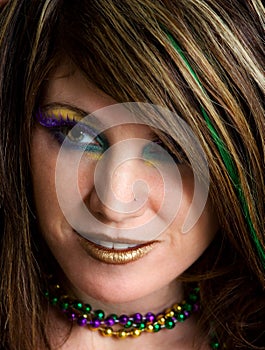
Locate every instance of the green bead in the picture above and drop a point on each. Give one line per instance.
(157, 327)
(54, 301)
(193, 297)
(187, 307)
(46, 294)
(128, 324)
(180, 317)
(64, 306)
(99, 314)
(169, 323)
(77, 305)
(141, 326)
(87, 308)
(215, 345)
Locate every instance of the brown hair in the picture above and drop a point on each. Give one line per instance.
(121, 46)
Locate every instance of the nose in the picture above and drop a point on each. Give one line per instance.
(120, 191)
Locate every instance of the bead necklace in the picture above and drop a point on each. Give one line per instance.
(123, 326)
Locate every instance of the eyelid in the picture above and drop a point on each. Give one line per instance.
(55, 120)
(176, 151)
(64, 106)
(59, 114)
(68, 114)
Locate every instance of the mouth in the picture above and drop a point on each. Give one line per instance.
(115, 253)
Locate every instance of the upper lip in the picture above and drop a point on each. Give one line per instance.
(105, 238)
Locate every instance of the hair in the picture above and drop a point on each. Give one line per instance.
(122, 47)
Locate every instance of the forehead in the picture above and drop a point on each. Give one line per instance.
(66, 84)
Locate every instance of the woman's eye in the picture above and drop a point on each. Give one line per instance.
(153, 151)
(156, 151)
(80, 137)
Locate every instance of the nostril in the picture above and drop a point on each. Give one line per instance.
(114, 210)
(140, 191)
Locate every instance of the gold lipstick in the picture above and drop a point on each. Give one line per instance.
(116, 256)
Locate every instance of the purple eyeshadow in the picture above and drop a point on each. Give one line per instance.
(53, 121)
(59, 126)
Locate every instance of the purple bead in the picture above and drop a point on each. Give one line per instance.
(137, 318)
(95, 323)
(196, 307)
(150, 317)
(186, 313)
(123, 319)
(109, 321)
(71, 316)
(82, 321)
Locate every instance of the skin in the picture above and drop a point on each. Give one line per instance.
(149, 284)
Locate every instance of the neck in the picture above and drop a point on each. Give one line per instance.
(155, 302)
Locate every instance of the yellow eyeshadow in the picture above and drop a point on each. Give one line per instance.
(63, 113)
(94, 156)
(150, 163)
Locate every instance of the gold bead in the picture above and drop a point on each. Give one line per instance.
(107, 332)
(92, 328)
(170, 313)
(177, 307)
(122, 334)
(149, 328)
(161, 319)
(159, 316)
(136, 333)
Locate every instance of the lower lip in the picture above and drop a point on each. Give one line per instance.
(113, 256)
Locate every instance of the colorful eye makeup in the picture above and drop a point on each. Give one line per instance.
(66, 127)
(69, 127)
(157, 151)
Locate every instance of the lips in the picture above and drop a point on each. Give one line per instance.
(113, 245)
(116, 253)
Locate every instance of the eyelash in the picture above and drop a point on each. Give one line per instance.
(60, 129)
(64, 133)
(160, 155)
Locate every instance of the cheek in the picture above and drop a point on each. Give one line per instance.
(195, 223)
(197, 239)
(43, 163)
(86, 178)
(193, 201)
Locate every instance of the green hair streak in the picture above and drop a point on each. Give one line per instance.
(225, 155)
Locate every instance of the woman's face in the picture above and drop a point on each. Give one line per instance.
(111, 262)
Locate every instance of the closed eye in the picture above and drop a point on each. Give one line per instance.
(157, 151)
